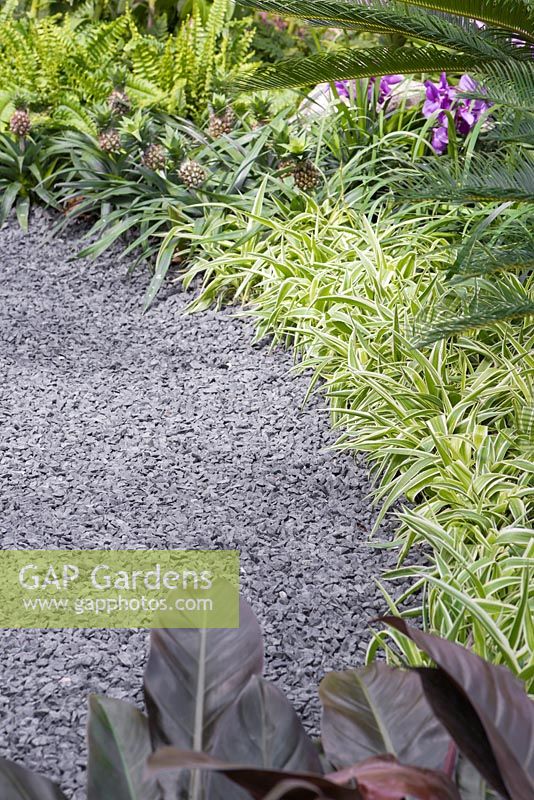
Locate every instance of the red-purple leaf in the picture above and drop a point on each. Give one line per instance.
(383, 778)
(119, 744)
(485, 709)
(259, 782)
(193, 676)
(18, 783)
(375, 710)
(261, 729)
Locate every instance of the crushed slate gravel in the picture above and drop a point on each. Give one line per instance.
(163, 431)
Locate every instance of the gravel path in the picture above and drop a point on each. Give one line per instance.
(162, 431)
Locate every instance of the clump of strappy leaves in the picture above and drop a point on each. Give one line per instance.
(165, 149)
(387, 733)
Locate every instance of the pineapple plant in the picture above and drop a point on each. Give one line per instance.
(260, 109)
(20, 122)
(109, 140)
(119, 102)
(295, 160)
(154, 157)
(192, 174)
(306, 176)
(222, 117)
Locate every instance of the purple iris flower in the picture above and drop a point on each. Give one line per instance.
(442, 97)
(343, 88)
(387, 82)
(439, 96)
(385, 87)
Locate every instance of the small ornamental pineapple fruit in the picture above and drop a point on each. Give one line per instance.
(222, 117)
(109, 141)
(20, 122)
(192, 174)
(306, 175)
(119, 102)
(286, 164)
(154, 157)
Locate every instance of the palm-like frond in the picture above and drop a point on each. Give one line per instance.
(510, 84)
(513, 131)
(488, 179)
(487, 260)
(477, 303)
(515, 15)
(352, 63)
(459, 34)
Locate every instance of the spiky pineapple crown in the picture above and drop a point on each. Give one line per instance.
(138, 129)
(287, 144)
(104, 119)
(119, 78)
(219, 104)
(21, 101)
(176, 143)
(260, 106)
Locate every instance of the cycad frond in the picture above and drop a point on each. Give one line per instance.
(489, 179)
(478, 303)
(509, 84)
(514, 132)
(512, 15)
(515, 15)
(396, 18)
(486, 260)
(342, 64)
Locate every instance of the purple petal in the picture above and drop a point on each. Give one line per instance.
(440, 140)
(468, 84)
